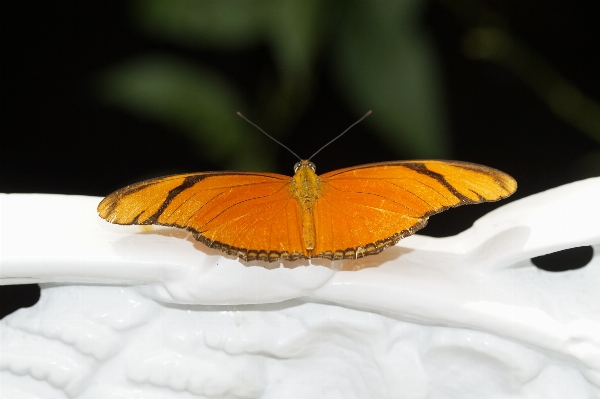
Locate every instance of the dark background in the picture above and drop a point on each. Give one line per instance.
(58, 136)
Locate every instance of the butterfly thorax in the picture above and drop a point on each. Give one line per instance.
(306, 188)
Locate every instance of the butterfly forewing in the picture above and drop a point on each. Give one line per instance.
(476, 183)
(139, 203)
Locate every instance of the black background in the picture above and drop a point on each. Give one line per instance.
(58, 138)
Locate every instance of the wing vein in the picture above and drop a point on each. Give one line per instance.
(407, 178)
(376, 195)
(250, 225)
(236, 204)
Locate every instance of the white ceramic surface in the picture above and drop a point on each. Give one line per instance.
(127, 313)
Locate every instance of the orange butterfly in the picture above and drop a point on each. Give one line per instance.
(344, 214)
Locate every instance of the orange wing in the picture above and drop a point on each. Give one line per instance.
(364, 209)
(251, 215)
(358, 211)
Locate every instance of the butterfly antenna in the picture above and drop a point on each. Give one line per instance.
(341, 134)
(267, 134)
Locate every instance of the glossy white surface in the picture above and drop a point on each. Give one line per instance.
(460, 317)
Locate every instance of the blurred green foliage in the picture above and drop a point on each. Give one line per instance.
(376, 50)
(488, 38)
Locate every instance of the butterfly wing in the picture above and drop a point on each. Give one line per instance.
(364, 209)
(251, 215)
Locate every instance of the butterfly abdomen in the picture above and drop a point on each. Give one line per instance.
(306, 189)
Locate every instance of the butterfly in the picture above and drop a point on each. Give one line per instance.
(343, 214)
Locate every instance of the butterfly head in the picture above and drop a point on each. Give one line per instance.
(305, 164)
